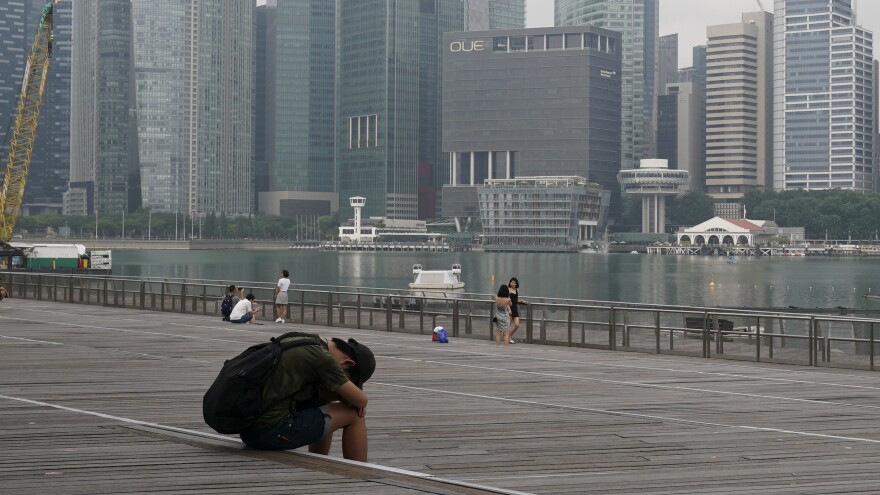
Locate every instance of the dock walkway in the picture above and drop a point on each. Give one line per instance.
(108, 400)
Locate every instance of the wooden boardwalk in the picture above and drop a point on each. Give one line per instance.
(104, 400)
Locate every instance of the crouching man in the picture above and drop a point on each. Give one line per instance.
(316, 390)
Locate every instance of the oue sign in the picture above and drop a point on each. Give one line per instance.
(467, 46)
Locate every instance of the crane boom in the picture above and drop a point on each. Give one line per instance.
(24, 129)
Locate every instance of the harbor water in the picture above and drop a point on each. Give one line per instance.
(803, 282)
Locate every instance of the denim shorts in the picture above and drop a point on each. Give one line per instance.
(295, 430)
(244, 319)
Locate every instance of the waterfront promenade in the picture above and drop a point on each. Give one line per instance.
(107, 400)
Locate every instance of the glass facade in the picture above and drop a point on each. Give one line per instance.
(301, 85)
(544, 214)
(194, 67)
(507, 14)
(388, 72)
(51, 157)
(638, 23)
(824, 97)
(104, 133)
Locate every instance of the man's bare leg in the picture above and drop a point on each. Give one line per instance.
(354, 433)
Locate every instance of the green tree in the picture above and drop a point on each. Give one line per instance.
(689, 209)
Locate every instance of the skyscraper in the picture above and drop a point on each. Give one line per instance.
(823, 92)
(738, 106)
(481, 15)
(301, 78)
(668, 62)
(638, 22)
(681, 134)
(50, 160)
(388, 99)
(103, 142)
(194, 62)
(696, 73)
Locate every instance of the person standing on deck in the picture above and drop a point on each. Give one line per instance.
(502, 315)
(513, 287)
(281, 296)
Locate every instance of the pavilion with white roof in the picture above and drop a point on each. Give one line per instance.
(729, 231)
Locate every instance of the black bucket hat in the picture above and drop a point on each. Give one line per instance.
(365, 362)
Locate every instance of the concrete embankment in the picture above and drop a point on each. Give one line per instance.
(196, 244)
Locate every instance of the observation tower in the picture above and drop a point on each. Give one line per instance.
(357, 202)
(653, 180)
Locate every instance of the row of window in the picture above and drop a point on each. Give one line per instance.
(542, 42)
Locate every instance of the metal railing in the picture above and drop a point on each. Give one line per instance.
(764, 336)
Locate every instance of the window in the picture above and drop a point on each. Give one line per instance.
(363, 131)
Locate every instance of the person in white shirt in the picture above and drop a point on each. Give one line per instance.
(244, 311)
(281, 296)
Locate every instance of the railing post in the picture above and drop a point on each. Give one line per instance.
(455, 317)
(162, 297)
(758, 339)
(302, 306)
(39, 288)
(70, 290)
(55, 289)
(359, 311)
(204, 299)
(143, 290)
(106, 288)
(706, 346)
(388, 313)
(871, 351)
(569, 325)
(329, 308)
(529, 335)
(421, 314)
(612, 330)
(812, 341)
(183, 297)
(657, 331)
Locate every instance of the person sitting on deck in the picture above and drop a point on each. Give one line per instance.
(317, 389)
(244, 311)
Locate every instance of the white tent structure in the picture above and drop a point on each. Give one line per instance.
(730, 231)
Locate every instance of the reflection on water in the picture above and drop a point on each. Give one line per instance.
(753, 281)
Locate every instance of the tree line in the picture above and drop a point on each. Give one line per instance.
(832, 214)
(145, 225)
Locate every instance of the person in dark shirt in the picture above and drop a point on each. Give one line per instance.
(515, 301)
(324, 384)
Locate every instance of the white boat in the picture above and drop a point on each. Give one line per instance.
(436, 279)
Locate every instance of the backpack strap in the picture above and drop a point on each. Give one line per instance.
(309, 340)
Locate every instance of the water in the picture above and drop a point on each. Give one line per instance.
(805, 282)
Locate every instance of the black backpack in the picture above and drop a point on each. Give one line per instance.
(235, 400)
(226, 307)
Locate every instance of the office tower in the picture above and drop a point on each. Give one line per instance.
(530, 102)
(300, 77)
(823, 91)
(481, 15)
(696, 73)
(50, 160)
(261, 165)
(668, 62)
(876, 126)
(103, 143)
(388, 99)
(738, 106)
(638, 22)
(194, 61)
(300, 89)
(681, 130)
(507, 14)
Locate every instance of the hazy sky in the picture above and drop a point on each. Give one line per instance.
(689, 18)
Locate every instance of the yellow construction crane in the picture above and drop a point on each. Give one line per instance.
(24, 128)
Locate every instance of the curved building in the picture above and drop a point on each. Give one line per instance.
(653, 180)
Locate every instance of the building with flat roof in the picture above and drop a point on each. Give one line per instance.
(681, 131)
(638, 22)
(544, 214)
(529, 102)
(823, 97)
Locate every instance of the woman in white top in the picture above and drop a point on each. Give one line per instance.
(281, 296)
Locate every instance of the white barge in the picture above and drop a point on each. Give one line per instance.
(436, 279)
